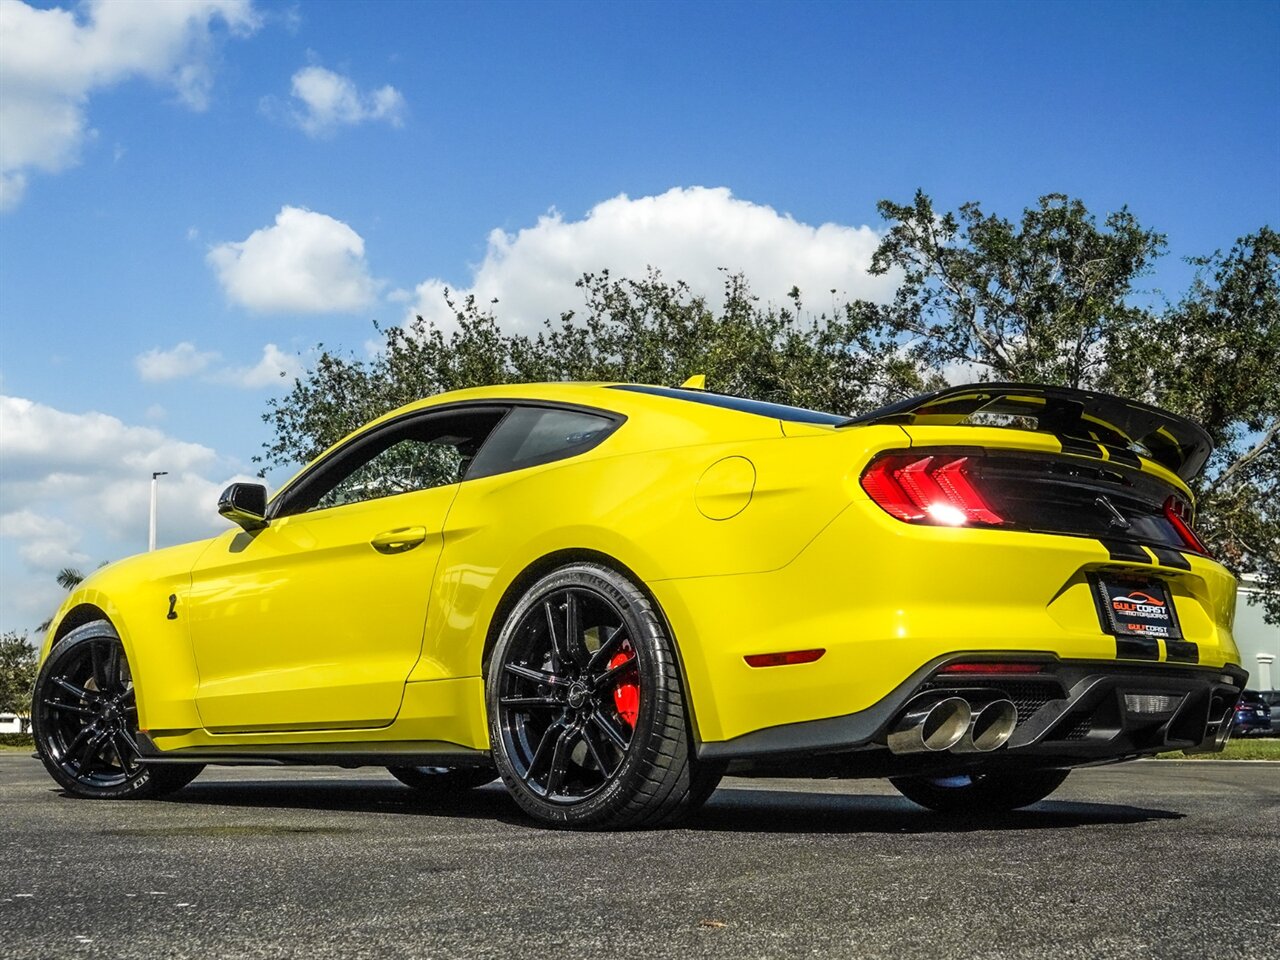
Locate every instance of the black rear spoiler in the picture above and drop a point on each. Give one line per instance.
(1083, 415)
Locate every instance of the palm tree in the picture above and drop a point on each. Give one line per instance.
(68, 579)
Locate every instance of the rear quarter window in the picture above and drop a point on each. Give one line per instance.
(530, 436)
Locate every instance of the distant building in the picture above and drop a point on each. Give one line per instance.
(1259, 641)
(12, 723)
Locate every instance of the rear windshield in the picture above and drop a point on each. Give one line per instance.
(775, 411)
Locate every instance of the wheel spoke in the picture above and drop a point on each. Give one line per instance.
(607, 650)
(559, 655)
(597, 751)
(549, 703)
(83, 693)
(115, 748)
(572, 620)
(89, 752)
(575, 631)
(610, 729)
(129, 742)
(70, 707)
(537, 676)
(122, 736)
(560, 760)
(99, 669)
(613, 674)
(550, 737)
(113, 669)
(87, 731)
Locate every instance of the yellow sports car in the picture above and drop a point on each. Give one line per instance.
(610, 594)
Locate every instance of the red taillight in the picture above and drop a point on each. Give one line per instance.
(991, 668)
(936, 489)
(1178, 512)
(783, 659)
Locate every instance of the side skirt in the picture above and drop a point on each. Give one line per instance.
(388, 753)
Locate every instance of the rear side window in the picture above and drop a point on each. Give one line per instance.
(534, 435)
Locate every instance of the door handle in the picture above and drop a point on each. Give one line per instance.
(399, 540)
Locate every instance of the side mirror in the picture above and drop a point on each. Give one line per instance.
(245, 504)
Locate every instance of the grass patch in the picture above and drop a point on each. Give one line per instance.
(1254, 748)
(17, 741)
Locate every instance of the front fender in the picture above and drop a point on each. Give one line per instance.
(134, 594)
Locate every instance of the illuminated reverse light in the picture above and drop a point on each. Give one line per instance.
(947, 514)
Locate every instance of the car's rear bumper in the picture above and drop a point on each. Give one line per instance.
(1070, 713)
(884, 599)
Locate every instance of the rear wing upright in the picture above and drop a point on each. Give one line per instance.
(1080, 415)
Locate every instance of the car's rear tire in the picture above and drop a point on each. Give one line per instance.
(85, 721)
(587, 715)
(443, 782)
(981, 793)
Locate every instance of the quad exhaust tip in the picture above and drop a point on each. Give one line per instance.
(991, 724)
(930, 726)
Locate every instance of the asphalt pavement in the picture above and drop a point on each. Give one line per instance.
(1154, 859)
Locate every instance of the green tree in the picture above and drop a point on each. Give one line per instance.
(1052, 300)
(648, 330)
(17, 673)
(1045, 300)
(1215, 357)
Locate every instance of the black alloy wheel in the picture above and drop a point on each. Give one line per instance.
(586, 707)
(975, 794)
(85, 721)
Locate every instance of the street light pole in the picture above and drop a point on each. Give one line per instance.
(155, 477)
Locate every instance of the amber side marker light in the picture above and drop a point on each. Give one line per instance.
(783, 659)
(991, 668)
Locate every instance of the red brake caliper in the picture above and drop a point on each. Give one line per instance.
(626, 695)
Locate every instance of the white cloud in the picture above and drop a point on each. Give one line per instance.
(40, 444)
(324, 101)
(306, 263)
(55, 58)
(184, 360)
(75, 490)
(276, 368)
(48, 543)
(687, 234)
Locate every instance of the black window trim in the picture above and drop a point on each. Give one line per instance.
(278, 507)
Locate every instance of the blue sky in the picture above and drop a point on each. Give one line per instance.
(196, 194)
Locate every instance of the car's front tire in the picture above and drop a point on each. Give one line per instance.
(85, 721)
(587, 715)
(976, 794)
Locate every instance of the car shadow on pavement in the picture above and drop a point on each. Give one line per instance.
(778, 811)
(729, 810)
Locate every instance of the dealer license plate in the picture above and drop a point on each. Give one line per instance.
(1137, 609)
